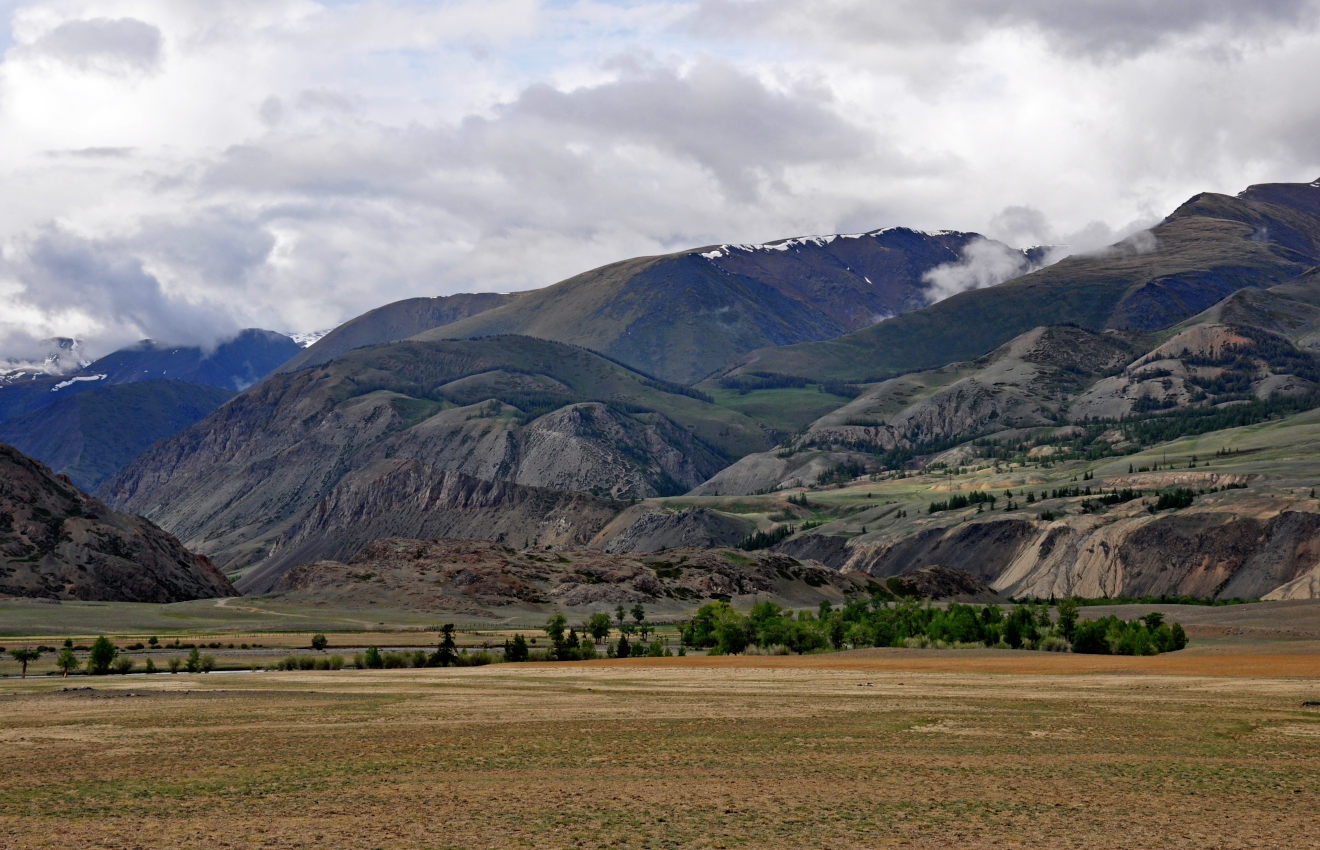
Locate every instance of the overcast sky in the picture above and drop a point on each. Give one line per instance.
(181, 168)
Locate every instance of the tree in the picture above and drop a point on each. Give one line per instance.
(639, 613)
(554, 628)
(319, 643)
(23, 656)
(1068, 617)
(619, 614)
(372, 658)
(101, 656)
(194, 662)
(598, 626)
(516, 650)
(66, 661)
(623, 650)
(447, 653)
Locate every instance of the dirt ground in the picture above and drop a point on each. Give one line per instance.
(881, 748)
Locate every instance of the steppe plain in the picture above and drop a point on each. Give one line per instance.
(1208, 747)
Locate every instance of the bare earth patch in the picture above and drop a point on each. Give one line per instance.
(870, 749)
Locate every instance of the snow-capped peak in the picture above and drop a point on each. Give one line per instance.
(307, 338)
(818, 241)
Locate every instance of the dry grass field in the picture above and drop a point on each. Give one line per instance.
(879, 748)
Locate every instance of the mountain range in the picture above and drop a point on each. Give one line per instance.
(681, 400)
(89, 422)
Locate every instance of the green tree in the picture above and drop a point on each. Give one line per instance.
(516, 650)
(598, 626)
(372, 659)
(1068, 617)
(619, 614)
(101, 656)
(623, 649)
(66, 661)
(319, 643)
(639, 613)
(447, 653)
(554, 629)
(24, 656)
(194, 662)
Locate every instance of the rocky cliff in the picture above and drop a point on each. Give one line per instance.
(57, 542)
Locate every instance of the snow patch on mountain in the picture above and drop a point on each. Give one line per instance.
(62, 384)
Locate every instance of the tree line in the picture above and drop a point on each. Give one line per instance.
(878, 622)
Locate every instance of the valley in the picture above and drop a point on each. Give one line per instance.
(875, 748)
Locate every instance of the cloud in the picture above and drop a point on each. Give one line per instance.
(981, 263)
(105, 45)
(1095, 28)
(101, 289)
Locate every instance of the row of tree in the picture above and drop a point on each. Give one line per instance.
(104, 657)
(717, 626)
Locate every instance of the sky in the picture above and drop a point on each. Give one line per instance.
(179, 169)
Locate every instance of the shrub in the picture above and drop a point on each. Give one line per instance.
(394, 660)
(207, 663)
(335, 662)
(319, 643)
(151, 666)
(306, 662)
(123, 664)
(174, 664)
(479, 658)
(1055, 643)
(359, 661)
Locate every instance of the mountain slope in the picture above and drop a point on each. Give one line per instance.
(532, 412)
(91, 435)
(1205, 250)
(682, 315)
(394, 321)
(56, 542)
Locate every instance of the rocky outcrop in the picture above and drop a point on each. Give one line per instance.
(56, 542)
(937, 582)
(651, 530)
(407, 497)
(482, 579)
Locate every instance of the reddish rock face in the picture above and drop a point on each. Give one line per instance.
(57, 542)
